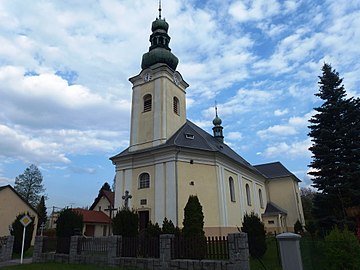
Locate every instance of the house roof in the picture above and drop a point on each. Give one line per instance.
(275, 170)
(273, 209)
(17, 194)
(109, 195)
(91, 216)
(193, 137)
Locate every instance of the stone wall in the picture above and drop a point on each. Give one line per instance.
(6, 248)
(238, 256)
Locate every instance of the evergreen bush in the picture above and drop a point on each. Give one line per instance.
(126, 223)
(193, 218)
(298, 228)
(255, 230)
(17, 232)
(193, 230)
(342, 249)
(69, 223)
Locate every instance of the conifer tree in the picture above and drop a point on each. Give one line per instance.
(41, 209)
(126, 223)
(193, 218)
(335, 133)
(29, 185)
(255, 230)
(17, 232)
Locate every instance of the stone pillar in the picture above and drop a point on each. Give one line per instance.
(6, 251)
(113, 247)
(74, 248)
(38, 248)
(238, 251)
(165, 250)
(290, 251)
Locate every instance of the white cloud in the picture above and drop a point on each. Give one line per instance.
(294, 125)
(254, 10)
(234, 135)
(279, 112)
(292, 150)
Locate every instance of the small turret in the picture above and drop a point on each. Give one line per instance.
(218, 129)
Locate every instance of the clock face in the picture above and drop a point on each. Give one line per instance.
(147, 77)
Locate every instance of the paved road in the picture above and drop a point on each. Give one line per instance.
(15, 262)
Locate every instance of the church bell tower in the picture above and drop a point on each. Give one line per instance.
(158, 98)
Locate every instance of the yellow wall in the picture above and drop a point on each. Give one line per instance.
(285, 193)
(174, 121)
(11, 206)
(146, 119)
(205, 187)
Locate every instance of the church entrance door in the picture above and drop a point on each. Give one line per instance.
(143, 219)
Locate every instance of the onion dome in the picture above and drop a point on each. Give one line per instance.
(217, 121)
(159, 51)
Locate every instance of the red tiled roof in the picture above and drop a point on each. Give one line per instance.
(110, 196)
(90, 216)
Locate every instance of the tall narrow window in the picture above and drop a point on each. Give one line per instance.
(176, 105)
(232, 190)
(261, 199)
(144, 180)
(248, 197)
(147, 103)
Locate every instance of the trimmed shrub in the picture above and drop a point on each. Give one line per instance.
(342, 249)
(18, 230)
(255, 230)
(153, 230)
(193, 218)
(69, 223)
(298, 228)
(126, 223)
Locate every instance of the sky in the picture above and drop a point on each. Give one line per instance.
(65, 98)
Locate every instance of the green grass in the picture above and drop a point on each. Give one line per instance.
(60, 266)
(271, 259)
(27, 254)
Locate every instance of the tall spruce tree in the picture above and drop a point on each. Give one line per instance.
(29, 185)
(335, 135)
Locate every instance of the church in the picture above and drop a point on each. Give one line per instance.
(170, 158)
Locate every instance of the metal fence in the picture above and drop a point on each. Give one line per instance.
(93, 246)
(213, 248)
(138, 246)
(56, 244)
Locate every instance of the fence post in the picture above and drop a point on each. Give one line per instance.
(165, 250)
(74, 242)
(290, 251)
(38, 248)
(112, 248)
(238, 251)
(7, 249)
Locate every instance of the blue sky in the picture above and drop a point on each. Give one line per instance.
(65, 97)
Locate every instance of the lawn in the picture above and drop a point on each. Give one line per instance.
(60, 266)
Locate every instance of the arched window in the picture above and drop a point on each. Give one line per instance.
(144, 180)
(176, 105)
(147, 103)
(232, 190)
(248, 197)
(261, 199)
